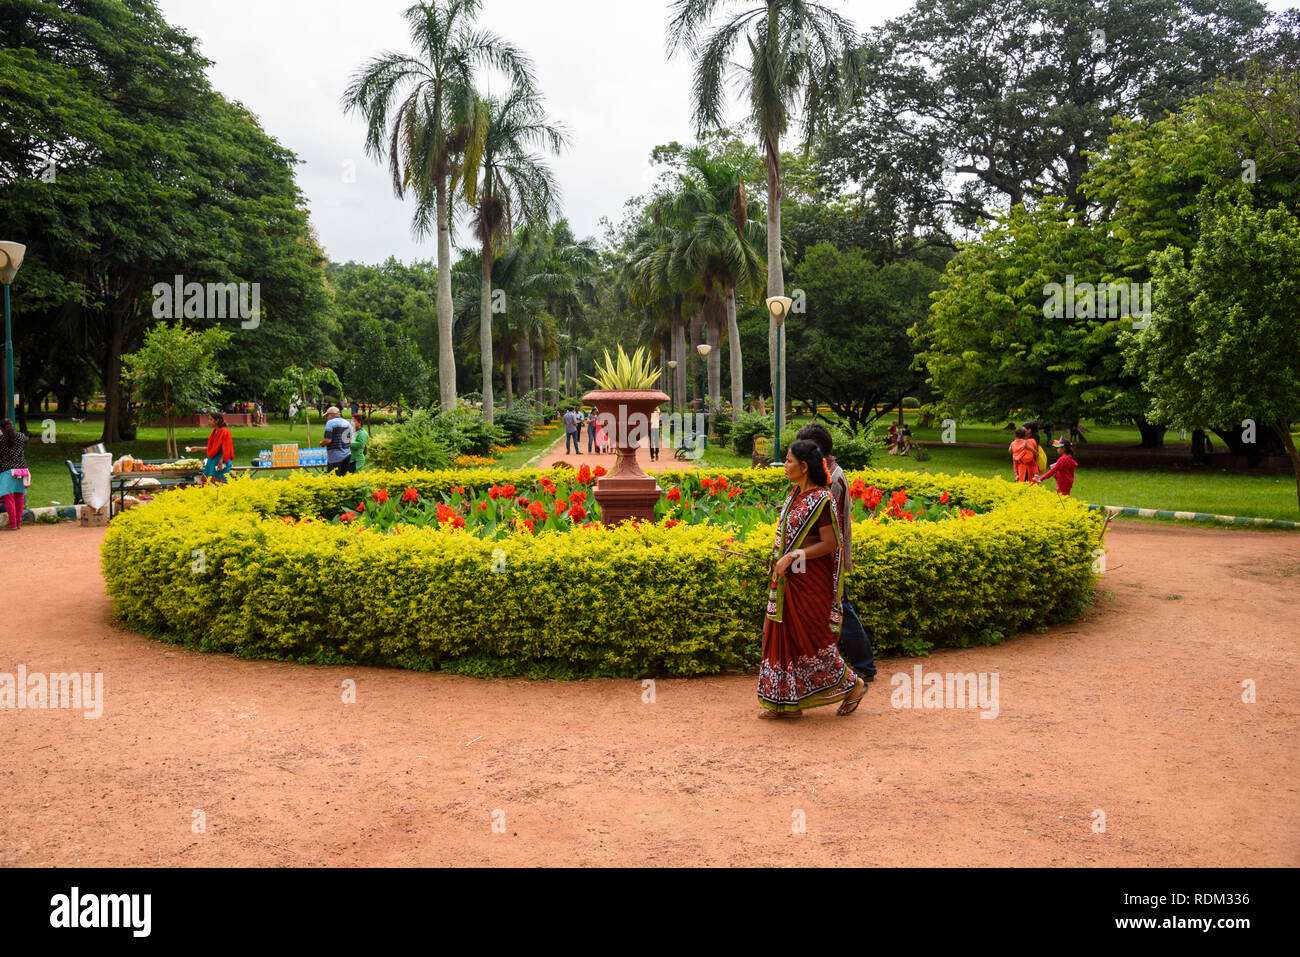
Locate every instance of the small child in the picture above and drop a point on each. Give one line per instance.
(1024, 456)
(1062, 469)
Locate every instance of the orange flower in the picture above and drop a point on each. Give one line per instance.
(601, 470)
(381, 496)
(944, 498)
(672, 523)
(577, 513)
(410, 495)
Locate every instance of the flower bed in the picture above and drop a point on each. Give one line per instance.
(269, 569)
(495, 511)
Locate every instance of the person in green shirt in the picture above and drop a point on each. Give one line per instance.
(360, 439)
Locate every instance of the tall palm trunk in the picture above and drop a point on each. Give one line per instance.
(775, 276)
(679, 349)
(697, 364)
(485, 333)
(733, 353)
(508, 369)
(446, 356)
(712, 335)
(525, 360)
(539, 376)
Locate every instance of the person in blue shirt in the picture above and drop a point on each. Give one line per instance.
(338, 442)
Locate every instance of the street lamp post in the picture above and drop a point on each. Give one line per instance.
(672, 388)
(11, 257)
(779, 307)
(704, 349)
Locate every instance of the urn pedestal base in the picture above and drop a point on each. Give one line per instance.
(625, 498)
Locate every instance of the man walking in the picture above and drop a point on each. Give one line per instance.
(571, 433)
(854, 642)
(338, 442)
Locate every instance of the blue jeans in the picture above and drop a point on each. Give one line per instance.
(855, 644)
(575, 438)
(591, 440)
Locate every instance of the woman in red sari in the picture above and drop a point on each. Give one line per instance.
(802, 667)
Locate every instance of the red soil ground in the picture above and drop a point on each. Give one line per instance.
(1135, 710)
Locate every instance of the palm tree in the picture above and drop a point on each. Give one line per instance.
(801, 53)
(721, 248)
(509, 183)
(419, 111)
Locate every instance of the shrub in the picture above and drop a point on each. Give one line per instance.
(465, 431)
(516, 423)
(856, 451)
(438, 596)
(748, 425)
(414, 444)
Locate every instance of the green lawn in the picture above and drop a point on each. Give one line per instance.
(51, 484)
(1255, 496)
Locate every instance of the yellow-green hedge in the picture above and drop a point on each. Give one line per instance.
(216, 568)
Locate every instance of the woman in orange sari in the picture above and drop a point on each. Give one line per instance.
(802, 667)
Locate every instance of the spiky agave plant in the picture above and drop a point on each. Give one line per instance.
(625, 374)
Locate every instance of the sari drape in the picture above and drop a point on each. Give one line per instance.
(802, 667)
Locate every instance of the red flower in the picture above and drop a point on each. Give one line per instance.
(480, 507)
(529, 525)
(286, 519)
(347, 516)
(361, 506)
(457, 522)
(672, 522)
(601, 470)
(944, 498)
(707, 483)
(966, 513)
(445, 514)
(380, 496)
(508, 491)
(560, 506)
(537, 510)
(457, 490)
(675, 494)
(733, 493)
(584, 475)
(523, 502)
(898, 498)
(577, 513)
(578, 498)
(410, 495)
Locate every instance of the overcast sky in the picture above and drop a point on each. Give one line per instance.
(600, 65)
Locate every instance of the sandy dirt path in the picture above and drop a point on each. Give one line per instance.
(1135, 710)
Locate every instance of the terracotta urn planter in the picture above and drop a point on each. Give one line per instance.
(626, 491)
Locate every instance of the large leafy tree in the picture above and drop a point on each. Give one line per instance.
(851, 350)
(1223, 343)
(800, 63)
(151, 175)
(509, 184)
(175, 373)
(972, 106)
(420, 113)
(992, 344)
(1236, 140)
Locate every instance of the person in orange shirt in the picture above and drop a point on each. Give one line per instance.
(1024, 456)
(220, 451)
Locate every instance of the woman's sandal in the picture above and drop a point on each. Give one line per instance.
(850, 704)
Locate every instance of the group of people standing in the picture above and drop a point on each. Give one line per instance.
(345, 445)
(575, 420)
(815, 650)
(1029, 459)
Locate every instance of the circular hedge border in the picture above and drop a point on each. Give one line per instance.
(218, 569)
